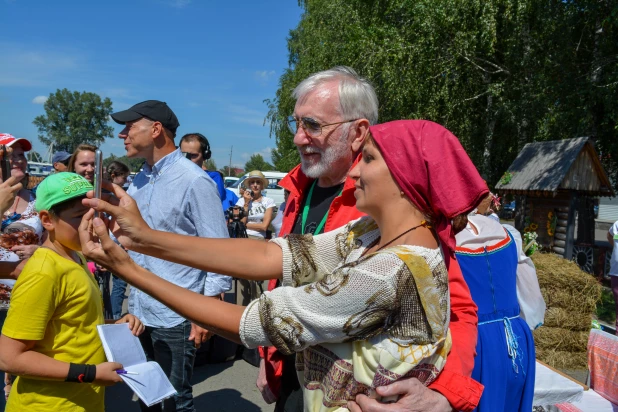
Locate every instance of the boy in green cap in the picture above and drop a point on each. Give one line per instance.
(50, 335)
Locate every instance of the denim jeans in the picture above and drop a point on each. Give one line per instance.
(102, 277)
(172, 350)
(119, 287)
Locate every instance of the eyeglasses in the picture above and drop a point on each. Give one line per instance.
(253, 182)
(312, 127)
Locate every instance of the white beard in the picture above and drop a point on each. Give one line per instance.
(330, 158)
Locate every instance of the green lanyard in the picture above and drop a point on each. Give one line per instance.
(306, 211)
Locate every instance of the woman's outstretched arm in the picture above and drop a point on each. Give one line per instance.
(216, 316)
(243, 258)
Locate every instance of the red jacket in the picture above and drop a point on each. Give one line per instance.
(454, 382)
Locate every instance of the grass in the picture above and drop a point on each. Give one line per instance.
(606, 307)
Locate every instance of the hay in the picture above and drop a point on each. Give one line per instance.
(571, 296)
(565, 285)
(563, 360)
(584, 303)
(556, 317)
(561, 339)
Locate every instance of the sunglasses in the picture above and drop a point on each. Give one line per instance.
(191, 155)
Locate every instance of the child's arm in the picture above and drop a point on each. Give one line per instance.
(18, 358)
(11, 270)
(136, 325)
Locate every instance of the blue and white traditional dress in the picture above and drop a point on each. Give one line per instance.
(505, 357)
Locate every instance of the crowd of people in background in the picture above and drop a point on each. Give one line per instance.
(375, 258)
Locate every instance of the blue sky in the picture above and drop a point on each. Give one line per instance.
(213, 62)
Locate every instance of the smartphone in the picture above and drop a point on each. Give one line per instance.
(5, 164)
(98, 176)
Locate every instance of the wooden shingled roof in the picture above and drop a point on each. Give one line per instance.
(569, 164)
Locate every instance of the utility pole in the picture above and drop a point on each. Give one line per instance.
(229, 168)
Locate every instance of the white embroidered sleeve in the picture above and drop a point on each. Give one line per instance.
(351, 303)
(308, 258)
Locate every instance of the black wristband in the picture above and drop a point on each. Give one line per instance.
(91, 373)
(81, 373)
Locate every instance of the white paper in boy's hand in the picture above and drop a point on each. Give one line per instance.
(149, 381)
(120, 346)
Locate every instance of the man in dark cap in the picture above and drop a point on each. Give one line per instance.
(60, 161)
(175, 195)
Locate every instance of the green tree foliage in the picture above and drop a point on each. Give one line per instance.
(134, 164)
(72, 118)
(230, 172)
(498, 73)
(257, 162)
(210, 164)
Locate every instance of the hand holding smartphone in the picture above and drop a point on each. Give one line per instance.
(98, 176)
(5, 163)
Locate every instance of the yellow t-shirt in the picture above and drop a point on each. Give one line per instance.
(57, 303)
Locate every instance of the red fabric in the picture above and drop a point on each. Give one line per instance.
(273, 365)
(603, 364)
(454, 382)
(432, 169)
(9, 140)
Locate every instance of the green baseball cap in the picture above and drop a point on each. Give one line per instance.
(60, 187)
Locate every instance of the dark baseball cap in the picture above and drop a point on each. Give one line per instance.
(151, 109)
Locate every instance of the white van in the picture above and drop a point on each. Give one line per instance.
(229, 181)
(274, 191)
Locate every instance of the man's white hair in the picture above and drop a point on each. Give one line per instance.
(357, 98)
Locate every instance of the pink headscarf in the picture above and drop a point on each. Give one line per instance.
(432, 169)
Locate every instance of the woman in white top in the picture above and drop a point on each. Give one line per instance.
(258, 209)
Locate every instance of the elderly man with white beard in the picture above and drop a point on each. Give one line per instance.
(333, 112)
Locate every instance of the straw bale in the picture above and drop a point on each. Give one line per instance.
(564, 285)
(562, 359)
(571, 296)
(560, 339)
(583, 303)
(557, 317)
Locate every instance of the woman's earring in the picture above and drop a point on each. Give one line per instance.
(401, 193)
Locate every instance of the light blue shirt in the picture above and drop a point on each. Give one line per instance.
(176, 196)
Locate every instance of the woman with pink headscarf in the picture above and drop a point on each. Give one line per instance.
(364, 305)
